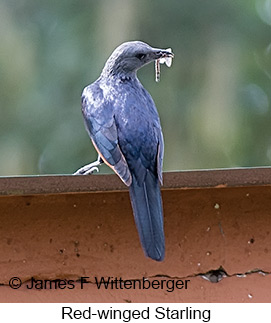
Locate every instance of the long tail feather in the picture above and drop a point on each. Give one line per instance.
(148, 213)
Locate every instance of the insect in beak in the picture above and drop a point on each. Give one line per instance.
(166, 58)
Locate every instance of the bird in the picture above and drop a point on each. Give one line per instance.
(122, 121)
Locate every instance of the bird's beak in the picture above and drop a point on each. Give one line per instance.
(163, 53)
(163, 56)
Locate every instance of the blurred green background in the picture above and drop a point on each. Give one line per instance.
(214, 102)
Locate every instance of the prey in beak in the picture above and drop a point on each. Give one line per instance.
(165, 57)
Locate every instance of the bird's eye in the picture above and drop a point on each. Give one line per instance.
(140, 56)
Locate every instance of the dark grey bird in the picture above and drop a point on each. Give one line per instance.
(123, 124)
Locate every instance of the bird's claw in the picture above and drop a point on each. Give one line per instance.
(87, 169)
(91, 170)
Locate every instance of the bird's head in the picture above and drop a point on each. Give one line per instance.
(127, 58)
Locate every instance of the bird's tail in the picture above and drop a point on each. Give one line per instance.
(148, 213)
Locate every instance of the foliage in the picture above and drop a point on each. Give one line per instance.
(214, 102)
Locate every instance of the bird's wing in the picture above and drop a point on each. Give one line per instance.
(158, 134)
(101, 126)
(160, 155)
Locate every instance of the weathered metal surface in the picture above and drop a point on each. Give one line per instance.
(71, 226)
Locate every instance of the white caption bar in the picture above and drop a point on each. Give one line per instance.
(134, 312)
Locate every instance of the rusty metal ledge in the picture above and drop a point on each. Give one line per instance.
(67, 227)
(53, 184)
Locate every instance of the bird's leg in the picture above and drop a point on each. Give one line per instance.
(90, 168)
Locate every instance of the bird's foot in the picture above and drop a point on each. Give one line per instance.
(89, 169)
